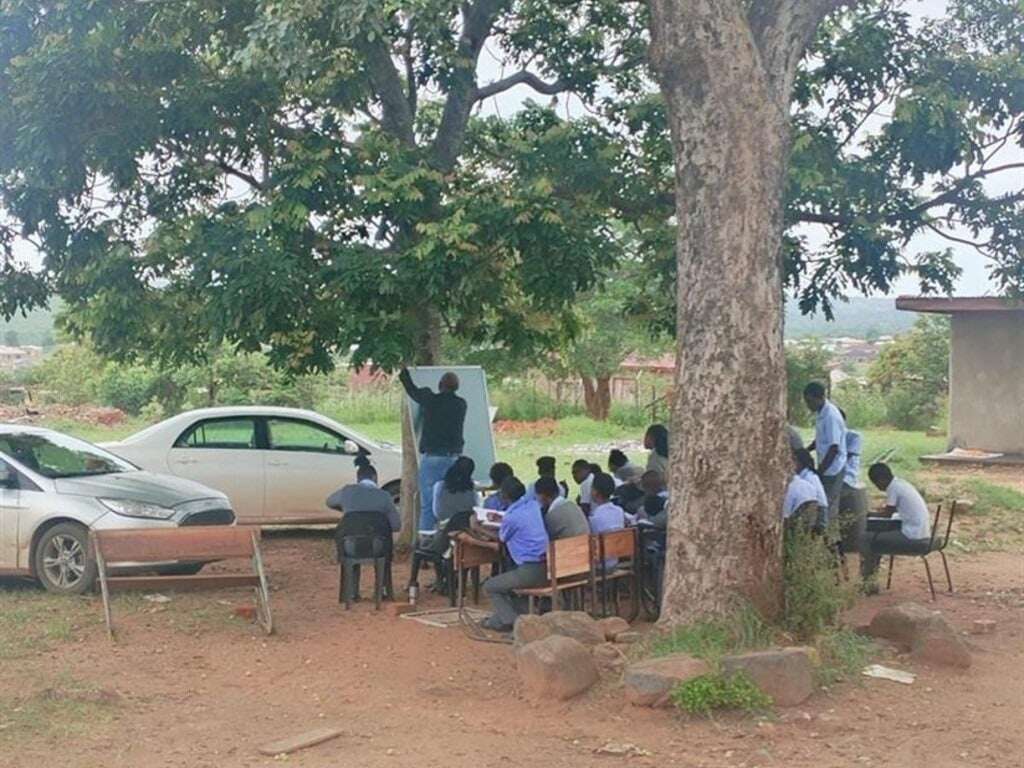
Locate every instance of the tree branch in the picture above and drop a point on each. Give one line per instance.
(397, 117)
(520, 78)
(248, 178)
(951, 194)
(782, 30)
(477, 22)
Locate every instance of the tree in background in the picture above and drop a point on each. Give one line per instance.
(912, 373)
(805, 362)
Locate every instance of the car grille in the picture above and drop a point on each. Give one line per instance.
(210, 517)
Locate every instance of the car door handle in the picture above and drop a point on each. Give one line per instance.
(188, 461)
(271, 463)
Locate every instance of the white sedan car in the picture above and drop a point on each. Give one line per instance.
(277, 465)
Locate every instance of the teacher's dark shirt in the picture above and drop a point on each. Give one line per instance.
(444, 415)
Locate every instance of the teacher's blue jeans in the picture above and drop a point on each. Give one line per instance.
(432, 470)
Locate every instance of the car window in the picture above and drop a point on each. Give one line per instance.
(54, 455)
(292, 435)
(233, 433)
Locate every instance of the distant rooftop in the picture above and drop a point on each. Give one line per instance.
(954, 305)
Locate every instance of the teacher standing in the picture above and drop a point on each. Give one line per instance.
(443, 418)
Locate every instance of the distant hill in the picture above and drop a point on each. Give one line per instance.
(859, 317)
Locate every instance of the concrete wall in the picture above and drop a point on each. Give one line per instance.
(987, 381)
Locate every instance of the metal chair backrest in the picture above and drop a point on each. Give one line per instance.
(362, 535)
(569, 557)
(935, 525)
(949, 529)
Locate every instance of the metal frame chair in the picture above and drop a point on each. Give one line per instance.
(933, 546)
(619, 545)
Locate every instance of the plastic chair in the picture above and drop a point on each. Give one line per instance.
(363, 538)
(933, 546)
(433, 551)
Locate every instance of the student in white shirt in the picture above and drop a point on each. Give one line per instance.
(805, 471)
(801, 501)
(583, 473)
(903, 503)
(829, 442)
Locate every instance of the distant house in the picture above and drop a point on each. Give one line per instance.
(986, 372)
(16, 358)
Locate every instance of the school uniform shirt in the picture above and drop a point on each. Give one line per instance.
(564, 520)
(585, 489)
(911, 509)
(523, 533)
(447, 503)
(607, 517)
(531, 490)
(657, 463)
(798, 493)
(851, 472)
(627, 473)
(829, 430)
(812, 477)
(496, 502)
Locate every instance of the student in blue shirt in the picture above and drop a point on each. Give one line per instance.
(498, 473)
(526, 539)
(829, 442)
(606, 515)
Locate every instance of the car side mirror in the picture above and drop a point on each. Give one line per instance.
(351, 447)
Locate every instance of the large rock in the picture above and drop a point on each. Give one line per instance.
(924, 632)
(612, 627)
(903, 623)
(649, 682)
(529, 629)
(786, 674)
(556, 668)
(575, 624)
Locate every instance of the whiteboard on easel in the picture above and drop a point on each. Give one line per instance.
(477, 433)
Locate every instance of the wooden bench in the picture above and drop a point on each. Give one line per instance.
(570, 566)
(618, 545)
(121, 548)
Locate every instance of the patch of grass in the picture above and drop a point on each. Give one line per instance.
(32, 621)
(703, 695)
(990, 497)
(843, 655)
(65, 710)
(745, 630)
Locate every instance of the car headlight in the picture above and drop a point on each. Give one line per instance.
(131, 508)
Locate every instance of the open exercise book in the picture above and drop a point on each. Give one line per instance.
(489, 517)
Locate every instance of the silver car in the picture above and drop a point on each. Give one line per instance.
(54, 488)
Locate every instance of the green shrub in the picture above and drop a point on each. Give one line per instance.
(743, 630)
(864, 407)
(524, 402)
(705, 694)
(813, 594)
(805, 362)
(153, 411)
(362, 406)
(624, 415)
(843, 654)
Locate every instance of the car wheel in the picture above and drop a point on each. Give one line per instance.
(63, 562)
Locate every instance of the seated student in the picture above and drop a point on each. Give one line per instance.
(903, 503)
(457, 492)
(654, 503)
(621, 468)
(498, 473)
(562, 517)
(583, 474)
(546, 468)
(802, 504)
(793, 438)
(805, 469)
(656, 441)
(365, 496)
(526, 539)
(361, 498)
(853, 500)
(606, 515)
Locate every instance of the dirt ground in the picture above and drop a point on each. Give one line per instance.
(188, 685)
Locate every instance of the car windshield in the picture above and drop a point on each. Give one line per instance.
(55, 455)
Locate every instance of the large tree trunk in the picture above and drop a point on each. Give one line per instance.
(428, 353)
(729, 125)
(597, 396)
